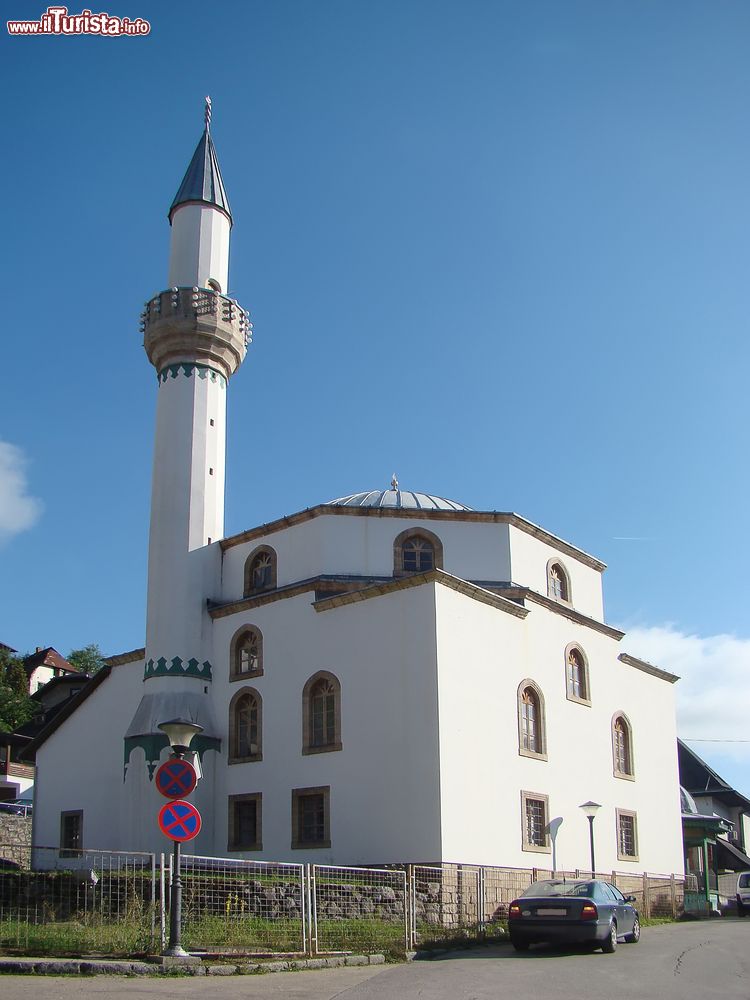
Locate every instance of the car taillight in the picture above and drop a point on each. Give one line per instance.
(514, 911)
(589, 912)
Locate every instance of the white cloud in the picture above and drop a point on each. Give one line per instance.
(713, 694)
(18, 510)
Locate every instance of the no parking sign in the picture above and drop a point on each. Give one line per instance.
(176, 777)
(179, 821)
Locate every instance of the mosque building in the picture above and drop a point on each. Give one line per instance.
(387, 677)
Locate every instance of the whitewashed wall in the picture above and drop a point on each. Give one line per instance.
(483, 656)
(384, 782)
(529, 559)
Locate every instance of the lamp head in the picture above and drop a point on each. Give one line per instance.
(590, 809)
(180, 732)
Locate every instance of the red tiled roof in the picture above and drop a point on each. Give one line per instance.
(48, 657)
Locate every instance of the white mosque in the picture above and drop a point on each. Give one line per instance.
(387, 677)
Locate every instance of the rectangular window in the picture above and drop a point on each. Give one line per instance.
(535, 820)
(71, 833)
(311, 817)
(245, 822)
(627, 835)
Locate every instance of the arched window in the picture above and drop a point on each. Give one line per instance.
(577, 675)
(245, 727)
(532, 741)
(246, 653)
(416, 551)
(321, 714)
(260, 571)
(622, 747)
(558, 581)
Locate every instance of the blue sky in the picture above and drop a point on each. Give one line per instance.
(499, 248)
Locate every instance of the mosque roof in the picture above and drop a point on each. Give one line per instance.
(202, 181)
(398, 498)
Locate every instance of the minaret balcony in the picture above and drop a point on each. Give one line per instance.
(195, 326)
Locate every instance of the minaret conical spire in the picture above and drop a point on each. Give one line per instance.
(202, 183)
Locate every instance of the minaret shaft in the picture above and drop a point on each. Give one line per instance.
(199, 249)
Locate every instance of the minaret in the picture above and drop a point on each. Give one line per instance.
(196, 337)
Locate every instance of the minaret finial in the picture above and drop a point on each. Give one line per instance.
(207, 113)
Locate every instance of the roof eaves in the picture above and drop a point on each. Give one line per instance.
(648, 668)
(86, 691)
(417, 580)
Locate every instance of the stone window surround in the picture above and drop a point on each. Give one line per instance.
(67, 850)
(398, 548)
(307, 747)
(571, 647)
(555, 563)
(625, 775)
(248, 589)
(619, 814)
(526, 684)
(235, 674)
(232, 844)
(300, 793)
(526, 845)
(232, 758)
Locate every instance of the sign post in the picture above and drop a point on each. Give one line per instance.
(178, 820)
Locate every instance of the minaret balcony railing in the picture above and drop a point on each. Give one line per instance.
(195, 324)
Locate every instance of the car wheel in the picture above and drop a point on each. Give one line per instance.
(741, 911)
(610, 944)
(520, 945)
(635, 935)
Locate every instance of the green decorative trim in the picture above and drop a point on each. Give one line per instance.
(177, 668)
(152, 745)
(188, 368)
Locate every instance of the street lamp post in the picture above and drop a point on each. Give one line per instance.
(590, 810)
(179, 732)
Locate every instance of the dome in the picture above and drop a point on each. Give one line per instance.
(398, 498)
(687, 802)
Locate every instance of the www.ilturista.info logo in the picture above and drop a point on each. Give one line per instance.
(57, 21)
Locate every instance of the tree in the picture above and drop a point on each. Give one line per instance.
(16, 707)
(90, 659)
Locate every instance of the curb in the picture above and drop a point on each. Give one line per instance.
(104, 967)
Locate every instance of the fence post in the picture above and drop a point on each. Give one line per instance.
(481, 904)
(313, 901)
(162, 914)
(673, 895)
(412, 904)
(407, 918)
(646, 896)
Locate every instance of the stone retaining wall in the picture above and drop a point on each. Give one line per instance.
(15, 839)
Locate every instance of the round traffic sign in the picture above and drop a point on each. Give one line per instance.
(175, 778)
(179, 820)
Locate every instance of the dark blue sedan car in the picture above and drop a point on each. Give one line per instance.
(577, 912)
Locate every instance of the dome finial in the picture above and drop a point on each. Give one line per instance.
(394, 482)
(207, 113)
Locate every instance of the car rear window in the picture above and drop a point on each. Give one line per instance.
(559, 889)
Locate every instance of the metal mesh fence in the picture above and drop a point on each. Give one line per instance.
(446, 901)
(451, 901)
(251, 906)
(79, 902)
(358, 909)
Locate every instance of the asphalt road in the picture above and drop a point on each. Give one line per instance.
(692, 961)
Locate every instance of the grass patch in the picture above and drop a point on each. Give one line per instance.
(83, 935)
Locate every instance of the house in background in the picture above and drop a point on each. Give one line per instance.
(715, 830)
(63, 682)
(44, 665)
